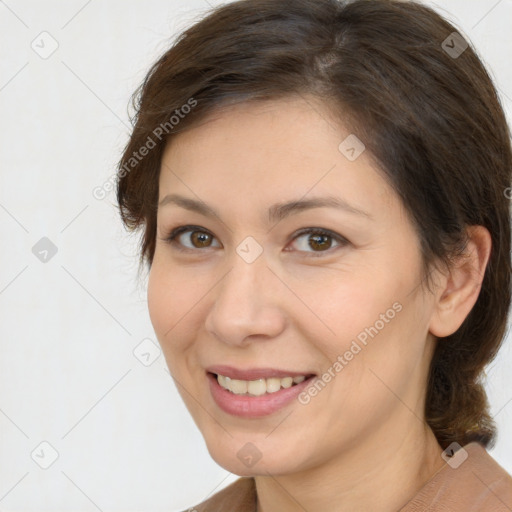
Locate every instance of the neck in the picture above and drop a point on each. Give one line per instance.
(379, 475)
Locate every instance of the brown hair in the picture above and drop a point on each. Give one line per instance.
(427, 113)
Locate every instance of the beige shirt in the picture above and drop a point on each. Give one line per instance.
(476, 484)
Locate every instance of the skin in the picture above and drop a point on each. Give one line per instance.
(361, 443)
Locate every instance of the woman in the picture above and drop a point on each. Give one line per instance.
(322, 190)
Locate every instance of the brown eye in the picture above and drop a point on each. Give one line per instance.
(201, 239)
(197, 237)
(319, 240)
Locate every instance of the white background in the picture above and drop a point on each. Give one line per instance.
(68, 327)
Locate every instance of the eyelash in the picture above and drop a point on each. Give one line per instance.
(171, 238)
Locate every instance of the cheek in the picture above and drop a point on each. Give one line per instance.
(344, 306)
(372, 321)
(381, 356)
(170, 298)
(158, 300)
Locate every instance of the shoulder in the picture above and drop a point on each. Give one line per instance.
(239, 496)
(471, 481)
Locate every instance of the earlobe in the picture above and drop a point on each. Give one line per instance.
(462, 285)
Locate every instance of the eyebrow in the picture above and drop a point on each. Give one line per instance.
(276, 212)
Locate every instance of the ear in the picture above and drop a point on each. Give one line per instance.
(460, 288)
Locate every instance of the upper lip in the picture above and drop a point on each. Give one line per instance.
(254, 373)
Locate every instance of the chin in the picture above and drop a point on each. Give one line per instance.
(241, 456)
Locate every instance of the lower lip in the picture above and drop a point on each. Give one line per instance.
(247, 406)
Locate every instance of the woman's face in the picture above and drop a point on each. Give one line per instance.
(249, 293)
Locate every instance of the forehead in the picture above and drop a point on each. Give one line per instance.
(270, 151)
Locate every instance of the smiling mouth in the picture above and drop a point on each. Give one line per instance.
(258, 387)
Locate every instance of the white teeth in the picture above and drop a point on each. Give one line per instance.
(287, 382)
(222, 381)
(273, 385)
(240, 386)
(257, 387)
(254, 387)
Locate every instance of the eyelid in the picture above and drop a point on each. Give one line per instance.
(179, 230)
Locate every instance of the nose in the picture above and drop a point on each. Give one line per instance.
(247, 304)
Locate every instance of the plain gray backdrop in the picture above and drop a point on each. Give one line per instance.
(89, 417)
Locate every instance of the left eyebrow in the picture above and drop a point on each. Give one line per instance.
(276, 212)
(279, 211)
